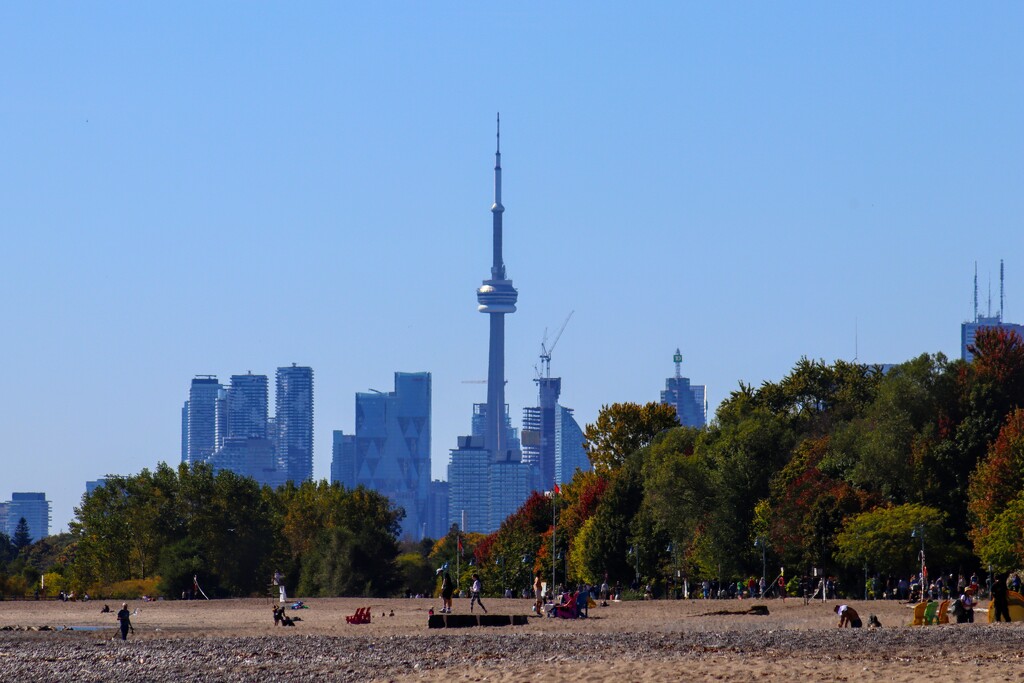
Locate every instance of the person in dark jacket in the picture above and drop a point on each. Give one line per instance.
(999, 598)
(124, 617)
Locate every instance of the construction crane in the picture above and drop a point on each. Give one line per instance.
(545, 352)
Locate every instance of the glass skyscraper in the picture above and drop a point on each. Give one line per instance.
(570, 455)
(294, 422)
(390, 452)
(246, 404)
(33, 508)
(343, 459)
(243, 446)
(202, 418)
(689, 400)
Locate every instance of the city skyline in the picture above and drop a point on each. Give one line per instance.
(304, 183)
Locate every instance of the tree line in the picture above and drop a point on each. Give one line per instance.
(158, 530)
(846, 468)
(843, 467)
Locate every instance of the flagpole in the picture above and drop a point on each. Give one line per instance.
(554, 532)
(458, 563)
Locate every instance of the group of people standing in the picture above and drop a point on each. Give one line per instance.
(448, 590)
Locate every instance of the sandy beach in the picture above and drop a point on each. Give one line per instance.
(236, 640)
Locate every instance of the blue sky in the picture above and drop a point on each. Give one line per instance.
(224, 187)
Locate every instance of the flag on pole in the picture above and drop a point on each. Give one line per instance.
(558, 491)
(460, 544)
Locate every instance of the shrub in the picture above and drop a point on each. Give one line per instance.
(127, 590)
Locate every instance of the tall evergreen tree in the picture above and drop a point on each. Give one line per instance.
(22, 538)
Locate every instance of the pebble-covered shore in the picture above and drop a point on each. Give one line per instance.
(95, 656)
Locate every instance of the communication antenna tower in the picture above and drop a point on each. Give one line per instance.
(975, 291)
(1000, 290)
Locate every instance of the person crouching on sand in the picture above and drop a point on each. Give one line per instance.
(848, 616)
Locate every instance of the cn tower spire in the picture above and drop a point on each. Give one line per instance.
(497, 297)
(498, 266)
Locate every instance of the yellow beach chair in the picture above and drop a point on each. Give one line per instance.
(943, 615)
(919, 609)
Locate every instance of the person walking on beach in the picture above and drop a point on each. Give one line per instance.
(538, 594)
(124, 617)
(474, 594)
(848, 616)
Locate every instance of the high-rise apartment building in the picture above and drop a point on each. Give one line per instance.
(184, 432)
(246, 406)
(689, 400)
(220, 421)
(33, 508)
(469, 485)
(91, 486)
(392, 448)
(570, 455)
(539, 431)
(202, 418)
(243, 446)
(551, 438)
(294, 422)
(437, 509)
(343, 459)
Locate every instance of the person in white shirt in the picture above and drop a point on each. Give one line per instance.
(474, 594)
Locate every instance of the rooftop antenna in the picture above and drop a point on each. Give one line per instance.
(545, 352)
(975, 291)
(1000, 290)
(989, 312)
(678, 360)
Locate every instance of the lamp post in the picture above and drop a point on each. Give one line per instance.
(636, 562)
(671, 550)
(919, 532)
(554, 532)
(759, 542)
(526, 562)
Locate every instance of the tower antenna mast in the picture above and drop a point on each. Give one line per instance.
(1000, 290)
(975, 291)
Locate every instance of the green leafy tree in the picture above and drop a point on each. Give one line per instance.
(606, 551)
(1002, 543)
(624, 428)
(888, 538)
(7, 550)
(681, 493)
(741, 458)
(416, 572)
(354, 549)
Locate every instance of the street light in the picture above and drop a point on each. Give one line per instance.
(636, 560)
(919, 532)
(763, 544)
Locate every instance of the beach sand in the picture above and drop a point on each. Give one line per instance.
(630, 641)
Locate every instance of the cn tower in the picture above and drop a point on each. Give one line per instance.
(497, 297)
